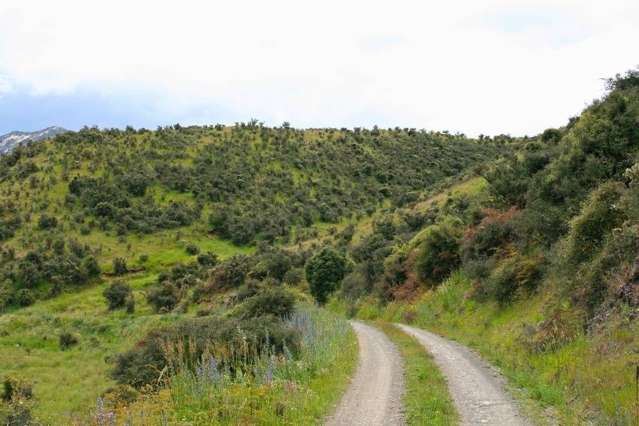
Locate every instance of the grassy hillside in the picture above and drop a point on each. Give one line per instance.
(534, 263)
(196, 238)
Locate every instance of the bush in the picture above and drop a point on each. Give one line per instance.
(47, 222)
(90, 266)
(164, 297)
(117, 294)
(119, 266)
(271, 301)
(24, 297)
(439, 253)
(293, 276)
(515, 274)
(599, 215)
(207, 259)
(182, 346)
(324, 271)
(66, 340)
(192, 249)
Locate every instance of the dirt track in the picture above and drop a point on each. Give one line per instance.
(477, 389)
(375, 394)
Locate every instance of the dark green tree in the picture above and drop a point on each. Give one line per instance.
(324, 271)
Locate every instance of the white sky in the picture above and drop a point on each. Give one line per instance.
(474, 66)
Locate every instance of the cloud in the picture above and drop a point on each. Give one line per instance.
(465, 65)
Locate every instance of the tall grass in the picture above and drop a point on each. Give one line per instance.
(266, 389)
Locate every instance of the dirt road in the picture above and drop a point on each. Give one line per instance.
(477, 389)
(375, 394)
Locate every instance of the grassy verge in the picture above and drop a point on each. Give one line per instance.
(284, 390)
(426, 401)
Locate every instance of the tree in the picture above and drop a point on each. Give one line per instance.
(324, 271)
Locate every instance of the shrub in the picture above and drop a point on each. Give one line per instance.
(207, 259)
(119, 266)
(117, 294)
(599, 215)
(517, 273)
(24, 297)
(192, 249)
(90, 266)
(324, 271)
(293, 276)
(439, 253)
(164, 297)
(47, 222)
(233, 342)
(66, 340)
(271, 301)
(130, 304)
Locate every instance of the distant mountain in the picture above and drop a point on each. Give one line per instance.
(13, 139)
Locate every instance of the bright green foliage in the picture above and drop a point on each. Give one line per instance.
(324, 271)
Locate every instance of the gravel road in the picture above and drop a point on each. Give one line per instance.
(375, 393)
(477, 389)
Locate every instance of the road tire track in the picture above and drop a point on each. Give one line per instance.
(374, 396)
(478, 390)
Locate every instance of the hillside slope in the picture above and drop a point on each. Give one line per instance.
(534, 263)
(112, 238)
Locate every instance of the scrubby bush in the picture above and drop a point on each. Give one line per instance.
(47, 222)
(324, 271)
(293, 276)
(270, 301)
(515, 274)
(192, 249)
(164, 296)
(119, 266)
(207, 259)
(232, 342)
(439, 253)
(600, 214)
(117, 295)
(66, 340)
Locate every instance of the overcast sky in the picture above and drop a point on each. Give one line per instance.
(473, 66)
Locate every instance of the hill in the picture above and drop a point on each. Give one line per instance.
(534, 262)
(111, 237)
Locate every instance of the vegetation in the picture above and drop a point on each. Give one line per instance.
(538, 264)
(171, 270)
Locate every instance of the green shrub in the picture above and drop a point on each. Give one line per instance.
(66, 340)
(516, 273)
(293, 276)
(270, 301)
(192, 249)
(47, 222)
(117, 294)
(234, 343)
(119, 266)
(24, 297)
(164, 297)
(599, 215)
(439, 253)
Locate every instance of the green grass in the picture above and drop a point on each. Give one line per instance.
(67, 383)
(426, 399)
(302, 390)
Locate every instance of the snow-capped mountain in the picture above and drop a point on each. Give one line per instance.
(13, 139)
